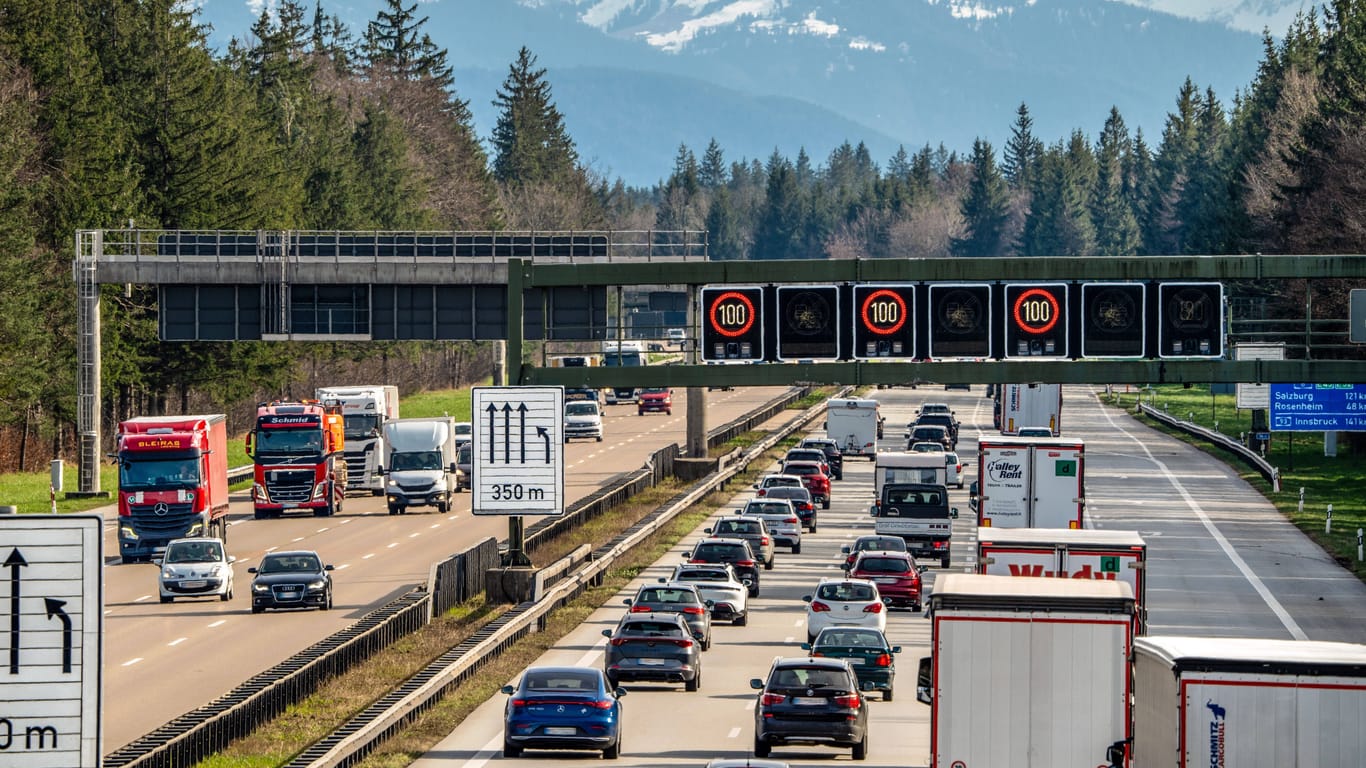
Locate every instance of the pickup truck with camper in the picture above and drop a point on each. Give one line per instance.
(1028, 673)
(1031, 482)
(173, 482)
(421, 469)
(920, 514)
(364, 408)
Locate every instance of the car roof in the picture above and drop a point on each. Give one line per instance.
(784, 490)
(772, 475)
(685, 585)
(875, 537)
(810, 661)
(724, 540)
(843, 580)
(738, 518)
(896, 553)
(291, 553)
(768, 499)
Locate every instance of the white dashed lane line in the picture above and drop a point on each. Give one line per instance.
(177, 641)
(131, 662)
(367, 557)
(218, 623)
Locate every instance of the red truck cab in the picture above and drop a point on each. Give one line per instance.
(299, 464)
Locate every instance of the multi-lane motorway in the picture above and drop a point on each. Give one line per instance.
(161, 661)
(1222, 562)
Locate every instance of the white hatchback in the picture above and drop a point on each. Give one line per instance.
(197, 567)
(844, 602)
(953, 469)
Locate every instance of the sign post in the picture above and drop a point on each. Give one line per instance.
(517, 457)
(50, 678)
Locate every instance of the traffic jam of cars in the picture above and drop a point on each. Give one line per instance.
(815, 694)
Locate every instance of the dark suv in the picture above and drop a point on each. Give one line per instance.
(810, 701)
(833, 456)
(653, 647)
(733, 551)
(929, 433)
(944, 420)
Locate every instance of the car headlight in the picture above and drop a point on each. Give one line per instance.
(316, 584)
(127, 532)
(168, 573)
(262, 588)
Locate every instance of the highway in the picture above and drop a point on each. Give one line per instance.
(161, 661)
(1222, 562)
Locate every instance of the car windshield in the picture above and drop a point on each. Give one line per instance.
(736, 527)
(561, 680)
(706, 574)
(800, 494)
(581, 409)
(194, 552)
(782, 482)
(717, 552)
(845, 592)
(885, 544)
(289, 564)
(803, 469)
(884, 565)
(415, 460)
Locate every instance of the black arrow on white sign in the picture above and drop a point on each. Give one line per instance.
(492, 409)
(544, 434)
(507, 433)
(55, 608)
(521, 435)
(14, 562)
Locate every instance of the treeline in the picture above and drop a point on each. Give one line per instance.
(118, 113)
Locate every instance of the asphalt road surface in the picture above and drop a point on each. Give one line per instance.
(1222, 562)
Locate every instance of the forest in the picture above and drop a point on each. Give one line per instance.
(119, 114)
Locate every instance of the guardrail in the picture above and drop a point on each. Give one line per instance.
(238, 474)
(1272, 474)
(209, 729)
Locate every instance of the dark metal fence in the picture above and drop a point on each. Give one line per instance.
(461, 576)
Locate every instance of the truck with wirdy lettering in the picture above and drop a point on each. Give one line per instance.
(1029, 405)
(173, 482)
(1031, 482)
(365, 410)
(1063, 553)
(298, 451)
(1026, 673)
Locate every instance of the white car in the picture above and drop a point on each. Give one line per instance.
(780, 517)
(844, 602)
(718, 583)
(927, 447)
(953, 469)
(199, 567)
(777, 481)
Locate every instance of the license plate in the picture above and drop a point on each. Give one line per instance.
(885, 580)
(560, 731)
(651, 662)
(193, 584)
(808, 701)
(288, 590)
(289, 506)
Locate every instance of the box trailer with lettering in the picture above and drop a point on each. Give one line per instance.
(1030, 405)
(1026, 673)
(1067, 554)
(1031, 482)
(1231, 701)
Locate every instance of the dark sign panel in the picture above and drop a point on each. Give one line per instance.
(808, 322)
(1190, 320)
(1036, 320)
(1112, 322)
(732, 323)
(884, 322)
(960, 320)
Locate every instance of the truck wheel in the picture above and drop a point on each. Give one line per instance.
(393, 510)
(257, 609)
(167, 599)
(944, 561)
(599, 438)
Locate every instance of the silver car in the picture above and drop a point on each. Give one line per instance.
(718, 583)
(198, 567)
(780, 517)
(753, 530)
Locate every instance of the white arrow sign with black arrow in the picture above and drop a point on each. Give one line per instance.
(517, 453)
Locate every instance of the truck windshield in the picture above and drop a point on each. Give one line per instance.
(158, 474)
(289, 442)
(581, 409)
(412, 460)
(359, 426)
(626, 359)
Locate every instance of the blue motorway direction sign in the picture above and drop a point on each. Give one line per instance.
(1318, 407)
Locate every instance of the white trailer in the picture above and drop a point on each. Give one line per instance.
(1031, 482)
(1067, 554)
(855, 423)
(1031, 405)
(1230, 701)
(907, 467)
(366, 408)
(1026, 673)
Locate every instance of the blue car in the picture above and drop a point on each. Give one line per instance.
(562, 708)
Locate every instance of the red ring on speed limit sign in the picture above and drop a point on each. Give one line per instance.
(883, 294)
(749, 314)
(1053, 310)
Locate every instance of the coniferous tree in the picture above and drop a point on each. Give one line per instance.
(1204, 209)
(779, 234)
(395, 41)
(1117, 232)
(530, 142)
(1171, 173)
(1059, 221)
(679, 206)
(985, 209)
(725, 236)
(1020, 160)
(711, 174)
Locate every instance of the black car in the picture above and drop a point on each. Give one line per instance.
(733, 551)
(944, 420)
(653, 648)
(682, 599)
(833, 455)
(810, 701)
(801, 501)
(296, 579)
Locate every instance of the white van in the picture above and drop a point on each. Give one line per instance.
(421, 468)
(582, 418)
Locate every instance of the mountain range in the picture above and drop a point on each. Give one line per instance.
(635, 79)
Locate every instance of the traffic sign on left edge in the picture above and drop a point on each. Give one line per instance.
(517, 454)
(50, 692)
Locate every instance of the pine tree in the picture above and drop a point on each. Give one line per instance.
(1206, 201)
(779, 234)
(725, 235)
(712, 173)
(530, 143)
(1020, 160)
(985, 209)
(1059, 221)
(1171, 172)
(679, 205)
(1117, 231)
(395, 41)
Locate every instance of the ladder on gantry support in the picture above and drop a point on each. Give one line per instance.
(272, 248)
(89, 245)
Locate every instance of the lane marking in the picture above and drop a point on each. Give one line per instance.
(271, 549)
(733, 733)
(344, 522)
(218, 623)
(412, 535)
(144, 597)
(592, 653)
(1286, 619)
(392, 544)
(177, 641)
(343, 566)
(495, 746)
(321, 530)
(297, 540)
(131, 662)
(367, 557)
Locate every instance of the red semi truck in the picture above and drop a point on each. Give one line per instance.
(173, 481)
(299, 464)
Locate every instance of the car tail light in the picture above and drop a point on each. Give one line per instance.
(794, 520)
(697, 560)
(763, 541)
(619, 641)
(819, 607)
(769, 699)
(884, 660)
(683, 643)
(817, 655)
(762, 492)
(693, 610)
(745, 563)
(941, 545)
(873, 608)
(850, 700)
(641, 609)
(519, 703)
(603, 703)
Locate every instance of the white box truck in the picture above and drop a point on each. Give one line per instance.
(1026, 673)
(908, 467)
(1067, 554)
(1031, 482)
(1031, 405)
(421, 469)
(1230, 701)
(855, 423)
(365, 410)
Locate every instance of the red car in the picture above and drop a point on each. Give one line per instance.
(896, 574)
(655, 399)
(813, 477)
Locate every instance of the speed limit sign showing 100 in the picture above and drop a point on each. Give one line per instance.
(732, 323)
(884, 322)
(1036, 320)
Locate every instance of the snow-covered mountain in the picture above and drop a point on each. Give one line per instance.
(637, 78)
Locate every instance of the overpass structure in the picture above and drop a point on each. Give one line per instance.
(554, 286)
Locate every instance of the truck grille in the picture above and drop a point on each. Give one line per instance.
(421, 485)
(167, 521)
(285, 486)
